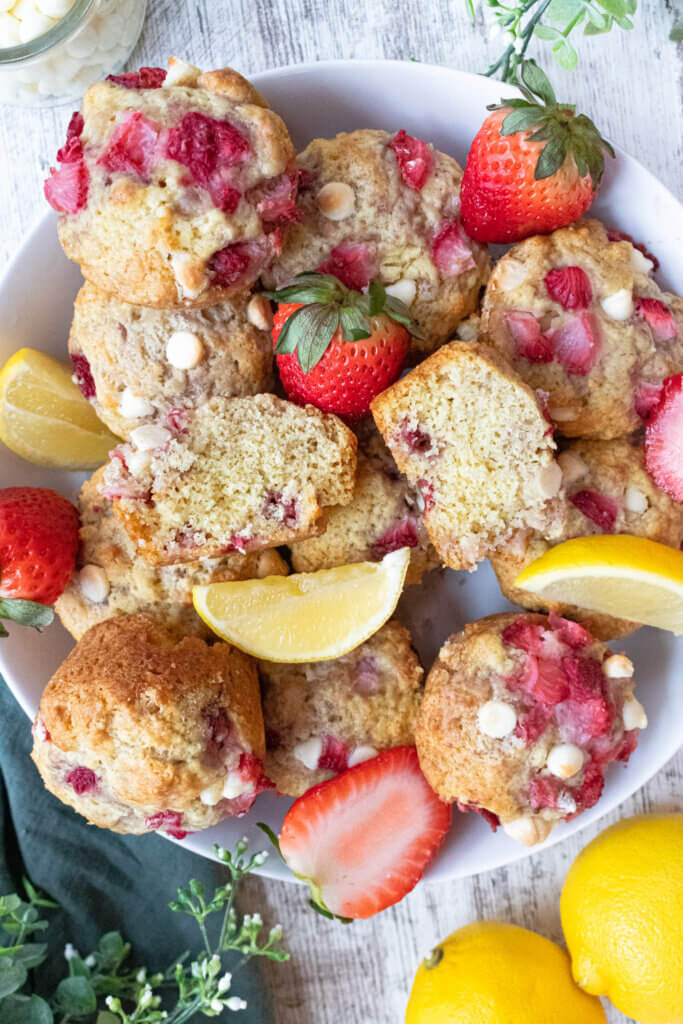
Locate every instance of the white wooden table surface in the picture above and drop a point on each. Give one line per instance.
(631, 83)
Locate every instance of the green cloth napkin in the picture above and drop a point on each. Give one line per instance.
(102, 881)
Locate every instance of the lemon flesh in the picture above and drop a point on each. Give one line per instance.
(45, 419)
(627, 577)
(309, 616)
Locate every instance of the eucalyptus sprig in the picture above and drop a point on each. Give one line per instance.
(552, 21)
(132, 995)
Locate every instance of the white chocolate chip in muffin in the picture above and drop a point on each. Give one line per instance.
(259, 313)
(150, 436)
(93, 584)
(309, 752)
(404, 290)
(184, 350)
(181, 73)
(618, 666)
(511, 274)
(212, 794)
(235, 785)
(565, 760)
(560, 415)
(133, 406)
(619, 306)
(496, 719)
(550, 480)
(190, 278)
(640, 263)
(468, 330)
(360, 754)
(527, 830)
(573, 467)
(633, 714)
(138, 463)
(336, 200)
(635, 500)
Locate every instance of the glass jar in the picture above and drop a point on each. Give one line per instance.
(94, 39)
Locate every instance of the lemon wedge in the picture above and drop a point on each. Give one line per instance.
(628, 577)
(309, 616)
(44, 417)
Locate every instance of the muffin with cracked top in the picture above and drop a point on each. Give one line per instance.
(175, 188)
(140, 731)
(377, 205)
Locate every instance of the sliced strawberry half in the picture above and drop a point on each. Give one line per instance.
(570, 287)
(664, 439)
(576, 343)
(66, 190)
(530, 343)
(363, 840)
(414, 158)
(659, 317)
(451, 250)
(132, 147)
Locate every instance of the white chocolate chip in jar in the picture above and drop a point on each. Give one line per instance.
(184, 350)
(496, 719)
(619, 306)
(336, 200)
(404, 290)
(573, 467)
(309, 752)
(633, 714)
(93, 584)
(259, 313)
(618, 666)
(565, 760)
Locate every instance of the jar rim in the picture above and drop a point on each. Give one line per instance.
(66, 26)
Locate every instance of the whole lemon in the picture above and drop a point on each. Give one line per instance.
(496, 973)
(622, 914)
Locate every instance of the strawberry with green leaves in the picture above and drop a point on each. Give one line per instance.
(535, 165)
(38, 547)
(337, 348)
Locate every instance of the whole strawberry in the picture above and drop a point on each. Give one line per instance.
(534, 165)
(337, 348)
(38, 547)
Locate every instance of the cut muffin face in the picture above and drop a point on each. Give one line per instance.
(140, 731)
(234, 475)
(139, 365)
(112, 579)
(325, 717)
(174, 188)
(375, 205)
(473, 438)
(521, 716)
(579, 316)
(607, 491)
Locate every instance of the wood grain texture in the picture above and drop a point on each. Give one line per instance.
(631, 83)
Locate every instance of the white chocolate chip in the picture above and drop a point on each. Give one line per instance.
(309, 752)
(404, 290)
(618, 666)
(420, 500)
(138, 463)
(212, 794)
(527, 830)
(190, 279)
(560, 415)
(134, 407)
(640, 263)
(496, 719)
(40, 731)
(619, 306)
(184, 350)
(633, 714)
(550, 480)
(510, 274)
(336, 200)
(54, 8)
(565, 760)
(360, 754)
(635, 500)
(259, 313)
(468, 330)
(9, 31)
(235, 785)
(566, 802)
(93, 583)
(150, 436)
(33, 24)
(573, 467)
(181, 73)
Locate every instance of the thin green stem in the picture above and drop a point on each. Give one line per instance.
(205, 937)
(226, 920)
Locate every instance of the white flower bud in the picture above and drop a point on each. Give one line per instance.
(235, 1003)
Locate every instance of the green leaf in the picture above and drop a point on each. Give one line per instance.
(310, 287)
(313, 331)
(354, 324)
(9, 903)
(546, 32)
(676, 34)
(566, 55)
(30, 954)
(267, 830)
(377, 296)
(76, 997)
(112, 949)
(552, 157)
(618, 8)
(469, 4)
(324, 912)
(522, 120)
(286, 342)
(537, 81)
(105, 1017)
(26, 1010)
(12, 977)
(26, 613)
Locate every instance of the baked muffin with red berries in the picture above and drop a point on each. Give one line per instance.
(174, 187)
(608, 490)
(522, 715)
(377, 205)
(137, 365)
(141, 731)
(579, 316)
(324, 717)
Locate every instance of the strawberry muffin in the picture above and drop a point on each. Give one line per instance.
(112, 579)
(376, 205)
(385, 514)
(521, 716)
(473, 438)
(141, 731)
(174, 188)
(607, 491)
(325, 717)
(579, 316)
(137, 364)
(233, 475)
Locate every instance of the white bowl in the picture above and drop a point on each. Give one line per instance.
(445, 107)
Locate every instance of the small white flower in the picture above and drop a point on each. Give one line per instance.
(146, 998)
(256, 919)
(216, 1005)
(89, 961)
(109, 1002)
(224, 982)
(260, 858)
(247, 920)
(70, 952)
(195, 970)
(235, 1003)
(220, 852)
(141, 975)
